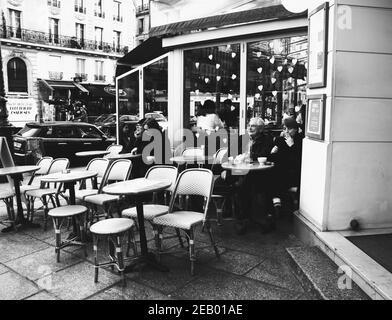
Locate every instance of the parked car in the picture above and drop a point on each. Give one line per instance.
(58, 139)
(108, 125)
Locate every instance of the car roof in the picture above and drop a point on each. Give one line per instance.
(58, 124)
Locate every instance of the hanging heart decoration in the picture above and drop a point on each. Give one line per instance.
(260, 87)
(260, 70)
(258, 54)
(217, 66)
(294, 61)
(218, 78)
(290, 79)
(257, 95)
(232, 108)
(210, 57)
(197, 64)
(291, 69)
(206, 80)
(285, 61)
(224, 140)
(273, 80)
(272, 60)
(234, 76)
(274, 93)
(233, 55)
(229, 96)
(280, 68)
(197, 91)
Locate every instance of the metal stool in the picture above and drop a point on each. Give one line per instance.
(114, 230)
(59, 215)
(8, 198)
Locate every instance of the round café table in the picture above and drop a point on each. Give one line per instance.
(241, 169)
(137, 188)
(16, 174)
(199, 160)
(92, 153)
(114, 157)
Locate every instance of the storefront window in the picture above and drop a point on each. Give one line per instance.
(213, 73)
(276, 78)
(155, 91)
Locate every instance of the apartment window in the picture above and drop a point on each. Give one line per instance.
(98, 38)
(116, 40)
(99, 76)
(54, 66)
(141, 26)
(15, 23)
(54, 30)
(54, 3)
(117, 11)
(79, 6)
(98, 9)
(80, 33)
(17, 75)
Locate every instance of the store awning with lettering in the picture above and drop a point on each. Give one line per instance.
(60, 84)
(229, 19)
(100, 91)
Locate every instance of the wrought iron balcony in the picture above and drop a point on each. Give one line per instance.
(82, 76)
(54, 3)
(55, 75)
(80, 9)
(99, 77)
(142, 8)
(99, 14)
(117, 18)
(37, 37)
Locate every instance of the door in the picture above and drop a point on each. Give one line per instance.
(91, 139)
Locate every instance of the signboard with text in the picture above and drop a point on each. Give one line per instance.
(21, 111)
(316, 117)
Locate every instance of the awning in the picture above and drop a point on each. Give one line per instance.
(146, 51)
(260, 14)
(59, 84)
(100, 91)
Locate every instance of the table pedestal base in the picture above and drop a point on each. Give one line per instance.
(142, 262)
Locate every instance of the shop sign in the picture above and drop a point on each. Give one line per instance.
(21, 110)
(316, 117)
(112, 91)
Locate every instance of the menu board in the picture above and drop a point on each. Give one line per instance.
(318, 37)
(315, 119)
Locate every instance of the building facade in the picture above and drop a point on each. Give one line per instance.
(52, 48)
(142, 20)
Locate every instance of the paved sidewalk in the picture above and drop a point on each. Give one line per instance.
(251, 267)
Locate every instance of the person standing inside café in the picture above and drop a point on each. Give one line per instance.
(207, 118)
(287, 156)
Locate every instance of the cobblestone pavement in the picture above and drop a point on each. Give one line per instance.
(251, 267)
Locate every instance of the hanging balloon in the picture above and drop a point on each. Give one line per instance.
(218, 78)
(274, 93)
(257, 95)
(258, 54)
(233, 55)
(272, 60)
(206, 80)
(197, 64)
(234, 76)
(291, 69)
(273, 80)
(294, 61)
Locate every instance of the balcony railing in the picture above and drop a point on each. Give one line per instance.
(82, 76)
(99, 77)
(37, 37)
(99, 14)
(144, 7)
(54, 3)
(80, 9)
(55, 75)
(117, 18)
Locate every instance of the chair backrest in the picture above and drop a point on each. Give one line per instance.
(220, 156)
(162, 172)
(114, 149)
(58, 165)
(193, 152)
(99, 165)
(195, 182)
(119, 170)
(44, 164)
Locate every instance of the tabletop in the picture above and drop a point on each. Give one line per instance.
(9, 171)
(123, 156)
(92, 153)
(136, 186)
(255, 166)
(188, 159)
(69, 177)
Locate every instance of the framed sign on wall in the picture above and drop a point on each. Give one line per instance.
(318, 47)
(315, 120)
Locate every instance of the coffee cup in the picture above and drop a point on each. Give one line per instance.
(262, 160)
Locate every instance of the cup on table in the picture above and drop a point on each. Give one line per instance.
(262, 160)
(231, 160)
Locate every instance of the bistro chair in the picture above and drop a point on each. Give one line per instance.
(151, 211)
(114, 231)
(114, 150)
(119, 170)
(191, 182)
(8, 198)
(59, 215)
(46, 191)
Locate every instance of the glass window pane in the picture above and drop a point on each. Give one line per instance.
(276, 78)
(155, 92)
(213, 73)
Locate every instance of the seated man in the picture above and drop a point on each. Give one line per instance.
(287, 156)
(254, 183)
